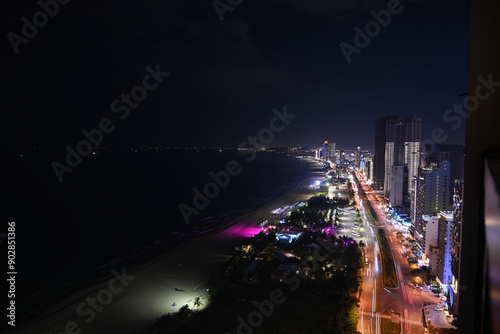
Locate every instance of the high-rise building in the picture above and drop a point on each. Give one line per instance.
(455, 154)
(402, 148)
(445, 223)
(379, 155)
(325, 150)
(342, 158)
(433, 259)
(368, 169)
(395, 130)
(328, 151)
(438, 241)
(333, 151)
(413, 137)
(430, 194)
(397, 179)
(416, 208)
(357, 158)
(431, 235)
(456, 246)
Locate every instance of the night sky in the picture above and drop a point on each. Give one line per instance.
(227, 76)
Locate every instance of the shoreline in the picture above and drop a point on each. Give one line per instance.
(44, 300)
(224, 227)
(56, 315)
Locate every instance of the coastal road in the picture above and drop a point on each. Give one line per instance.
(402, 303)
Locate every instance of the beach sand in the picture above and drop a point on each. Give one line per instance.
(135, 304)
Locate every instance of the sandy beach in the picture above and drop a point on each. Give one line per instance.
(130, 301)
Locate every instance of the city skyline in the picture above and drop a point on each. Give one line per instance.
(213, 166)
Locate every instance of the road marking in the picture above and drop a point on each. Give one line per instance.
(385, 316)
(399, 273)
(405, 293)
(410, 295)
(379, 323)
(405, 319)
(373, 301)
(362, 320)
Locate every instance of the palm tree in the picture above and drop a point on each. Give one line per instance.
(197, 302)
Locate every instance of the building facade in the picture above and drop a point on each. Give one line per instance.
(342, 158)
(379, 155)
(454, 154)
(357, 158)
(328, 151)
(456, 245)
(430, 194)
(445, 245)
(402, 148)
(431, 234)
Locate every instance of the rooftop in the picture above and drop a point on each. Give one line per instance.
(447, 214)
(437, 319)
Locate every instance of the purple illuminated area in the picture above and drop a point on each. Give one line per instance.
(241, 230)
(329, 231)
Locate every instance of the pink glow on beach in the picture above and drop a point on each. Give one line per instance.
(240, 230)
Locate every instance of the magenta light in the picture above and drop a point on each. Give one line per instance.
(239, 230)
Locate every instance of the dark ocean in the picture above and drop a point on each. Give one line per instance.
(121, 207)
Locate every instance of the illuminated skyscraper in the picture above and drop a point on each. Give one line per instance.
(379, 156)
(342, 158)
(456, 246)
(455, 154)
(429, 195)
(328, 151)
(357, 158)
(445, 228)
(367, 168)
(402, 148)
